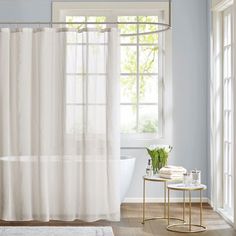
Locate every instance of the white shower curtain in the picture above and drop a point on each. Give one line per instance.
(59, 124)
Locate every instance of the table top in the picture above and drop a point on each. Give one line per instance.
(187, 187)
(157, 178)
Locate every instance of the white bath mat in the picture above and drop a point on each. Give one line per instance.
(56, 231)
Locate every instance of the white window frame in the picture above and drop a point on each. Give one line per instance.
(234, 33)
(62, 9)
(227, 114)
(216, 103)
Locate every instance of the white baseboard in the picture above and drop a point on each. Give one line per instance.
(210, 203)
(226, 217)
(161, 200)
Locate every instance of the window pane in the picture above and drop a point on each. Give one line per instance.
(226, 189)
(225, 63)
(96, 19)
(148, 89)
(148, 59)
(97, 59)
(229, 55)
(225, 31)
(229, 94)
(230, 127)
(128, 59)
(128, 29)
(71, 37)
(128, 89)
(151, 38)
(96, 89)
(74, 119)
(74, 89)
(128, 118)
(229, 29)
(74, 59)
(230, 159)
(230, 192)
(97, 38)
(226, 157)
(96, 119)
(225, 94)
(75, 19)
(226, 126)
(148, 119)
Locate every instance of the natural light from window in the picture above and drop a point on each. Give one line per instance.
(140, 80)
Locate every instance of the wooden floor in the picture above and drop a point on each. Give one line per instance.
(131, 217)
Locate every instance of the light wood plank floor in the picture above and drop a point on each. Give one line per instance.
(131, 217)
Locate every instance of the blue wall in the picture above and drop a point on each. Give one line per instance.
(190, 81)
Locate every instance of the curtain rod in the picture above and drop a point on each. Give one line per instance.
(39, 23)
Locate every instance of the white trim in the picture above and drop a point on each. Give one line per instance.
(225, 216)
(216, 111)
(209, 201)
(59, 8)
(161, 200)
(227, 170)
(234, 72)
(218, 6)
(229, 220)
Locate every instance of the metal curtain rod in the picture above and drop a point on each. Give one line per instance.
(165, 26)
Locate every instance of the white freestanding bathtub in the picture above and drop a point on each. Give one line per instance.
(127, 164)
(126, 173)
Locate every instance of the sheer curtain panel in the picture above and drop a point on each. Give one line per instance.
(59, 124)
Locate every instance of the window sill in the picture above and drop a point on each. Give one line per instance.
(140, 141)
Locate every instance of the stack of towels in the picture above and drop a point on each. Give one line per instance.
(172, 172)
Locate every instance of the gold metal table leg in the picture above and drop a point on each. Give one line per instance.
(189, 225)
(144, 203)
(165, 217)
(190, 214)
(168, 206)
(200, 207)
(164, 199)
(184, 205)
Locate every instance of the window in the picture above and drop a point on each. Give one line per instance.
(222, 109)
(143, 60)
(140, 80)
(227, 110)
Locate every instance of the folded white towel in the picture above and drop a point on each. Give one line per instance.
(177, 168)
(172, 170)
(180, 177)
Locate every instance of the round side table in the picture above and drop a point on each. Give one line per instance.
(156, 178)
(189, 225)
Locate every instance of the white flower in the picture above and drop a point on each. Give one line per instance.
(152, 147)
(159, 146)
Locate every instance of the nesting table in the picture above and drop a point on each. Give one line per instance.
(183, 227)
(156, 178)
(186, 227)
